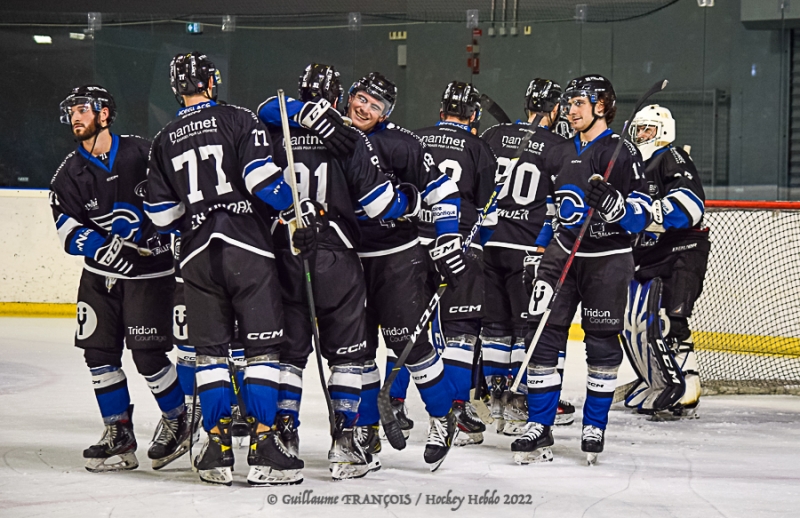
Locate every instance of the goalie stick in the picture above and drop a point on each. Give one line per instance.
(287, 144)
(660, 85)
(390, 425)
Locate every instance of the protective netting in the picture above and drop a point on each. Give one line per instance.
(747, 321)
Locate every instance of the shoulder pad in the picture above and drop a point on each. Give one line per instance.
(61, 166)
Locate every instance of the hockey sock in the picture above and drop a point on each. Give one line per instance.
(167, 390)
(517, 357)
(261, 380)
(434, 388)
(213, 389)
(111, 390)
(458, 355)
(370, 386)
(239, 364)
(544, 389)
(290, 391)
(600, 384)
(345, 388)
(400, 385)
(185, 368)
(496, 352)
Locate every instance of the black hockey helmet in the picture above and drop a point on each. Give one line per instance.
(542, 96)
(595, 88)
(319, 80)
(190, 74)
(461, 100)
(376, 85)
(95, 96)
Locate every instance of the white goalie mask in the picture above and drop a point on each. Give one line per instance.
(652, 128)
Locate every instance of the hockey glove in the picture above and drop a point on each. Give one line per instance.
(322, 118)
(449, 258)
(414, 199)
(530, 265)
(314, 220)
(605, 199)
(657, 225)
(109, 255)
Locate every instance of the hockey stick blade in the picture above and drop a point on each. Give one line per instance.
(657, 87)
(494, 109)
(622, 390)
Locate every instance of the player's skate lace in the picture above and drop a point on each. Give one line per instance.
(109, 436)
(437, 435)
(592, 433)
(532, 431)
(166, 431)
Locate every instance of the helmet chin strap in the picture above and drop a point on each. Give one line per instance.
(96, 131)
(595, 118)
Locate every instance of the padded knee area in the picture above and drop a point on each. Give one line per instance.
(99, 357)
(149, 361)
(603, 349)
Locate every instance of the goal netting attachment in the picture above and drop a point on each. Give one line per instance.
(746, 323)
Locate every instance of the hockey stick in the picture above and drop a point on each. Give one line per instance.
(660, 85)
(390, 425)
(194, 417)
(287, 144)
(494, 109)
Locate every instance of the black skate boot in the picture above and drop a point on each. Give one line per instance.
(400, 413)
(287, 432)
(195, 416)
(347, 456)
(533, 445)
(171, 440)
(117, 441)
(592, 441)
(240, 430)
(271, 463)
(216, 458)
(367, 437)
(565, 414)
(468, 423)
(441, 433)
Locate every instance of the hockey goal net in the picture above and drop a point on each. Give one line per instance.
(747, 321)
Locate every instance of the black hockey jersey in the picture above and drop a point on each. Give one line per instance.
(93, 197)
(469, 162)
(205, 167)
(571, 164)
(525, 204)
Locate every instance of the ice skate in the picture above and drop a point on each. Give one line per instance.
(170, 440)
(401, 414)
(347, 457)
(441, 433)
(469, 424)
(533, 445)
(367, 437)
(195, 416)
(240, 430)
(216, 458)
(592, 442)
(117, 441)
(271, 463)
(565, 415)
(515, 414)
(287, 432)
(497, 401)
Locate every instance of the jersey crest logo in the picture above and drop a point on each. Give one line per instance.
(141, 189)
(571, 207)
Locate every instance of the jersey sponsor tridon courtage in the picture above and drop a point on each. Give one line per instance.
(205, 167)
(524, 205)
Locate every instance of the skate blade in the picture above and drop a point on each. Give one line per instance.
(501, 424)
(126, 462)
(219, 476)
(467, 439)
(266, 476)
(564, 419)
(240, 441)
(375, 465)
(591, 459)
(514, 428)
(533, 457)
(182, 450)
(348, 470)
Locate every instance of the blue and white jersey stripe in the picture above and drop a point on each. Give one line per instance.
(690, 208)
(258, 171)
(378, 199)
(164, 214)
(439, 189)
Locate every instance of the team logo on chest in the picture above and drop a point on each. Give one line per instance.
(571, 207)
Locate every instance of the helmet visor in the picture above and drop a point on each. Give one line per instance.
(81, 104)
(564, 103)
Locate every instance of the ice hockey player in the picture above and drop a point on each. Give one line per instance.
(470, 163)
(331, 184)
(673, 248)
(208, 168)
(520, 231)
(124, 296)
(600, 273)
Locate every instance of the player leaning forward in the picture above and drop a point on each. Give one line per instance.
(208, 168)
(600, 273)
(124, 297)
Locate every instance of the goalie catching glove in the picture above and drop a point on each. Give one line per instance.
(605, 199)
(322, 118)
(312, 214)
(449, 258)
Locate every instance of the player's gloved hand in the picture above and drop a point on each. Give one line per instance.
(322, 118)
(449, 258)
(312, 214)
(109, 255)
(414, 199)
(530, 265)
(657, 225)
(605, 199)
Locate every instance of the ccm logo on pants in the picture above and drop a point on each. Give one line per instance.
(266, 335)
(464, 309)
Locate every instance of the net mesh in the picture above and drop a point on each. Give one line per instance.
(746, 325)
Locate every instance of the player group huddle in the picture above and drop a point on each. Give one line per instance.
(207, 232)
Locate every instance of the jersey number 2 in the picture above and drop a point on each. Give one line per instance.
(190, 159)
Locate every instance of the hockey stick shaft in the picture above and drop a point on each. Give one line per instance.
(389, 421)
(660, 85)
(494, 109)
(312, 311)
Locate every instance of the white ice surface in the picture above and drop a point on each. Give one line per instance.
(740, 459)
